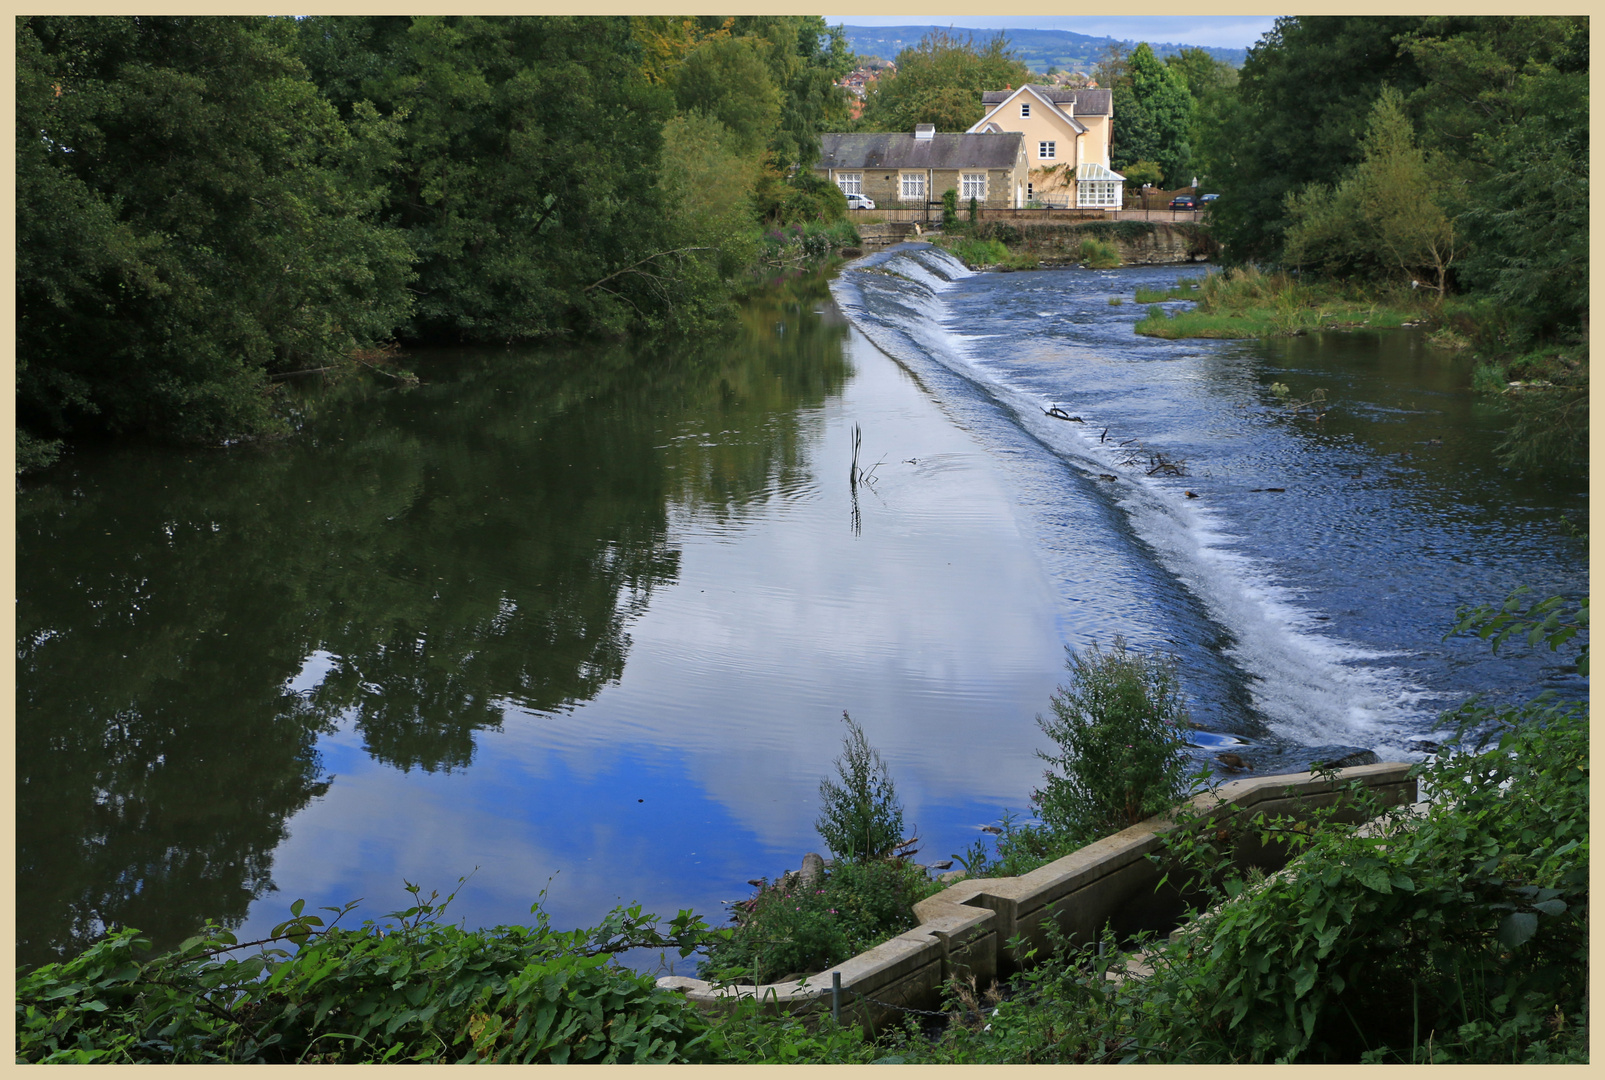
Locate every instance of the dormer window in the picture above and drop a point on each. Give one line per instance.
(1025, 108)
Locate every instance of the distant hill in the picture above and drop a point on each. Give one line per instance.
(1039, 49)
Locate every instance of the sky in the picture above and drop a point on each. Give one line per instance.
(1221, 31)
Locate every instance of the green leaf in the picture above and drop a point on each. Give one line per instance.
(1517, 928)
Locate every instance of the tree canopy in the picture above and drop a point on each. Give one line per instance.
(206, 204)
(1153, 115)
(940, 81)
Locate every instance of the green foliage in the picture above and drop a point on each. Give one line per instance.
(860, 818)
(726, 79)
(1459, 935)
(752, 1034)
(1526, 213)
(791, 930)
(1243, 302)
(408, 990)
(976, 253)
(1552, 621)
(1301, 101)
(940, 81)
(1098, 254)
(804, 198)
(1386, 215)
(801, 244)
(975, 211)
(1119, 729)
(527, 168)
(1155, 114)
(191, 216)
(1185, 289)
(950, 208)
(1140, 173)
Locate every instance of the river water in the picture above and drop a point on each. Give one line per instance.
(586, 619)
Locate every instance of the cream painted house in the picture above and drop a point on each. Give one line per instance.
(1067, 135)
(896, 168)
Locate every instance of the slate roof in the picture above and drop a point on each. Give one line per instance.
(1086, 102)
(900, 150)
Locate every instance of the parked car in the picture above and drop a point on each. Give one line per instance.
(1183, 202)
(1210, 197)
(860, 202)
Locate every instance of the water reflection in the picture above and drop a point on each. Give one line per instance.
(190, 624)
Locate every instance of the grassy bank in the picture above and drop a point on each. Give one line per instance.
(985, 254)
(1245, 303)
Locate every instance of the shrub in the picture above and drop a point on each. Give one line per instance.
(950, 208)
(975, 211)
(1098, 254)
(793, 930)
(860, 818)
(976, 253)
(1119, 730)
(412, 990)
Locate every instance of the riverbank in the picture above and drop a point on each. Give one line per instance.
(1246, 303)
(1101, 244)
(1385, 945)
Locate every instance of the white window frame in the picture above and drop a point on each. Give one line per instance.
(1047, 149)
(911, 186)
(972, 185)
(1025, 109)
(851, 183)
(1098, 193)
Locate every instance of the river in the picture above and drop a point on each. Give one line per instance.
(586, 619)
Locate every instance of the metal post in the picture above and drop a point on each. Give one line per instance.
(836, 997)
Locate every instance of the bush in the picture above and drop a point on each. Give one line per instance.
(860, 818)
(793, 930)
(1098, 254)
(1119, 727)
(412, 990)
(950, 208)
(975, 211)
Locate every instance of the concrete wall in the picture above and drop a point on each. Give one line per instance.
(965, 929)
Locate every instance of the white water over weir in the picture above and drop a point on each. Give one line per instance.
(1003, 349)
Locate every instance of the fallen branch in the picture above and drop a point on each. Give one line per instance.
(632, 267)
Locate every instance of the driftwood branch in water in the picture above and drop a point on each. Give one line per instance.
(1059, 414)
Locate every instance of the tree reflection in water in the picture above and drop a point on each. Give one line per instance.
(478, 540)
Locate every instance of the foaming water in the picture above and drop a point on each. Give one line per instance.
(1324, 631)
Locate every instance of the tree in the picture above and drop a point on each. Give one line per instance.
(191, 217)
(860, 818)
(1118, 727)
(1508, 100)
(1302, 99)
(727, 78)
(1205, 75)
(1387, 214)
(1153, 112)
(940, 81)
(528, 173)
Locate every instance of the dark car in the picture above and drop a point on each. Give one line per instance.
(1183, 202)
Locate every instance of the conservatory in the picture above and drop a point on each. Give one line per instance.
(1097, 186)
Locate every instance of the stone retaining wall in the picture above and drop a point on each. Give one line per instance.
(965, 929)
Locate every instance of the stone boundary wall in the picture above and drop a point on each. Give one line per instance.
(965, 928)
(889, 232)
